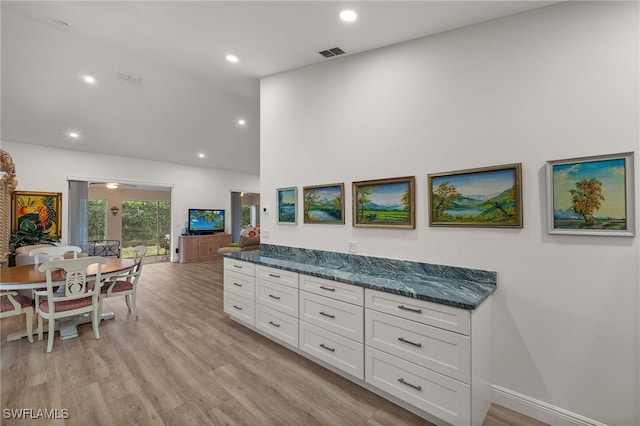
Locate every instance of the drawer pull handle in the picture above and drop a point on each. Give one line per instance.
(274, 324)
(237, 307)
(322, 345)
(402, 339)
(274, 275)
(327, 288)
(236, 284)
(274, 297)
(416, 387)
(404, 308)
(327, 315)
(237, 266)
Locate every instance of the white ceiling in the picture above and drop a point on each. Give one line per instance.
(190, 97)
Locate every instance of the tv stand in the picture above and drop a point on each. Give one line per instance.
(196, 248)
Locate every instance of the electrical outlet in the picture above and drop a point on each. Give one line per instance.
(352, 246)
(266, 234)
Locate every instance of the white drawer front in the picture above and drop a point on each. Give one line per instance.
(242, 285)
(333, 289)
(439, 395)
(277, 276)
(333, 349)
(342, 318)
(277, 296)
(442, 316)
(239, 308)
(439, 350)
(277, 324)
(238, 266)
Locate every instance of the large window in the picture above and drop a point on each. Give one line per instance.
(146, 223)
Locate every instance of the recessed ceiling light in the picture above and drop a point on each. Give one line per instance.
(74, 135)
(201, 155)
(89, 79)
(232, 58)
(348, 15)
(112, 185)
(241, 122)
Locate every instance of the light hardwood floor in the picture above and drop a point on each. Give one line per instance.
(183, 361)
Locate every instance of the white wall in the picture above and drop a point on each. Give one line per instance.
(40, 168)
(556, 83)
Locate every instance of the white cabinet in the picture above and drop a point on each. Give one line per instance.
(423, 353)
(239, 290)
(434, 393)
(338, 351)
(277, 304)
(332, 323)
(431, 358)
(338, 317)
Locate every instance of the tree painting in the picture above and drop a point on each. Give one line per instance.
(487, 196)
(447, 195)
(323, 204)
(586, 198)
(589, 194)
(384, 203)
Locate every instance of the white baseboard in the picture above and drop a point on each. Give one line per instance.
(539, 410)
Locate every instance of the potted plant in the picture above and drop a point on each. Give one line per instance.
(28, 234)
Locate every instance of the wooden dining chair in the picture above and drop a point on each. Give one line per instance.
(127, 284)
(76, 295)
(44, 254)
(12, 303)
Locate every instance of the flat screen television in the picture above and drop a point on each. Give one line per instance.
(206, 221)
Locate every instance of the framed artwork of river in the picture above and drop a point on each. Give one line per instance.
(324, 203)
(482, 197)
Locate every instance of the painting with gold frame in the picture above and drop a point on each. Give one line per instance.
(40, 208)
(384, 203)
(481, 197)
(323, 203)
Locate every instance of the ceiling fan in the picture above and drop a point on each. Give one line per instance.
(113, 185)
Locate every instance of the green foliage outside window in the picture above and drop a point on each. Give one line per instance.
(97, 211)
(245, 216)
(145, 222)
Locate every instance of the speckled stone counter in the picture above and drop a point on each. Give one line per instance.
(449, 285)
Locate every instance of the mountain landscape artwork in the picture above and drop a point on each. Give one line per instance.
(589, 194)
(488, 196)
(385, 203)
(324, 204)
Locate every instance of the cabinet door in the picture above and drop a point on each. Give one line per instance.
(239, 308)
(342, 318)
(434, 348)
(277, 324)
(189, 249)
(277, 296)
(239, 284)
(434, 393)
(333, 349)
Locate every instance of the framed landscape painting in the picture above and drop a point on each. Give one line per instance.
(287, 205)
(482, 197)
(42, 209)
(591, 195)
(324, 203)
(384, 203)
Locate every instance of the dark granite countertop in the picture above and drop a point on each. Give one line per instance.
(449, 285)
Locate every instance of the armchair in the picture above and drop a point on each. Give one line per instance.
(249, 240)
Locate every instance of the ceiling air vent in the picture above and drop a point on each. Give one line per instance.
(331, 52)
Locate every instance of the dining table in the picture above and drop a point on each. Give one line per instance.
(27, 277)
